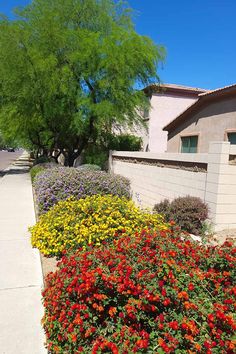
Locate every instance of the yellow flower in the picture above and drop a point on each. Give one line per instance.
(76, 223)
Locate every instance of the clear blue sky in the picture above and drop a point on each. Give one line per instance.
(199, 35)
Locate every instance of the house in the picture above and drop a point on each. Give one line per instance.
(167, 102)
(212, 117)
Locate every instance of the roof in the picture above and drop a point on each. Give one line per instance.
(203, 99)
(174, 88)
(225, 88)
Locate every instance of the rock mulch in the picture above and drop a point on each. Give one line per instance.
(221, 236)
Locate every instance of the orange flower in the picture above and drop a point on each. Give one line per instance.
(74, 337)
(183, 295)
(78, 320)
(188, 337)
(112, 311)
(198, 347)
(100, 296)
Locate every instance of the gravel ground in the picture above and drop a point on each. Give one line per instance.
(220, 236)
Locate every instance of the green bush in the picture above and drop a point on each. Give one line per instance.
(188, 212)
(96, 156)
(35, 170)
(42, 159)
(125, 142)
(98, 153)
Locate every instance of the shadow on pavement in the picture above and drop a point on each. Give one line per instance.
(16, 171)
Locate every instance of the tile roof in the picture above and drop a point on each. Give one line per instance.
(182, 87)
(174, 88)
(217, 90)
(202, 99)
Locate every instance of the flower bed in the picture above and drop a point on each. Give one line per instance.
(152, 293)
(76, 223)
(59, 184)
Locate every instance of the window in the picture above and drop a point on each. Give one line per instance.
(232, 138)
(189, 144)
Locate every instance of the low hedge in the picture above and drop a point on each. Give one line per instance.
(152, 293)
(76, 223)
(54, 185)
(188, 212)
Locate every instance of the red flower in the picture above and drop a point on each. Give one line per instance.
(174, 325)
(190, 286)
(166, 302)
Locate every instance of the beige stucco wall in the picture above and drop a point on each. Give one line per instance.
(210, 124)
(164, 108)
(151, 184)
(217, 186)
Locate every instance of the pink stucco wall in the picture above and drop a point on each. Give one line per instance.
(164, 108)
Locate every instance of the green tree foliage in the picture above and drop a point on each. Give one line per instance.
(98, 154)
(70, 69)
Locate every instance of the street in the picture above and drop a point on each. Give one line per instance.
(7, 158)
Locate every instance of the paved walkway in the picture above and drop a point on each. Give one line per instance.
(20, 268)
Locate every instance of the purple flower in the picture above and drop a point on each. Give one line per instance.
(57, 184)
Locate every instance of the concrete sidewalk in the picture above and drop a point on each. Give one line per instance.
(20, 267)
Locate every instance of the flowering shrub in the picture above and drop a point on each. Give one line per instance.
(36, 169)
(152, 293)
(90, 167)
(188, 212)
(58, 184)
(75, 223)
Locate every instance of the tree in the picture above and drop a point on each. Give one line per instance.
(70, 69)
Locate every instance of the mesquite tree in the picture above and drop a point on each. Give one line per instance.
(71, 69)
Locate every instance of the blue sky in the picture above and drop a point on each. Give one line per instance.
(199, 37)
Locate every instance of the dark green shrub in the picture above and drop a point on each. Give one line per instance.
(95, 156)
(126, 142)
(188, 212)
(43, 159)
(98, 153)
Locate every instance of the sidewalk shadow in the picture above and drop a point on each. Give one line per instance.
(16, 171)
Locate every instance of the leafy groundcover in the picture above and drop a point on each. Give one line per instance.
(153, 292)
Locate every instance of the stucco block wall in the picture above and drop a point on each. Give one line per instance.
(221, 185)
(164, 108)
(210, 124)
(151, 184)
(216, 186)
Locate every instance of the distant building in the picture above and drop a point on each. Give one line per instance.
(212, 117)
(167, 102)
